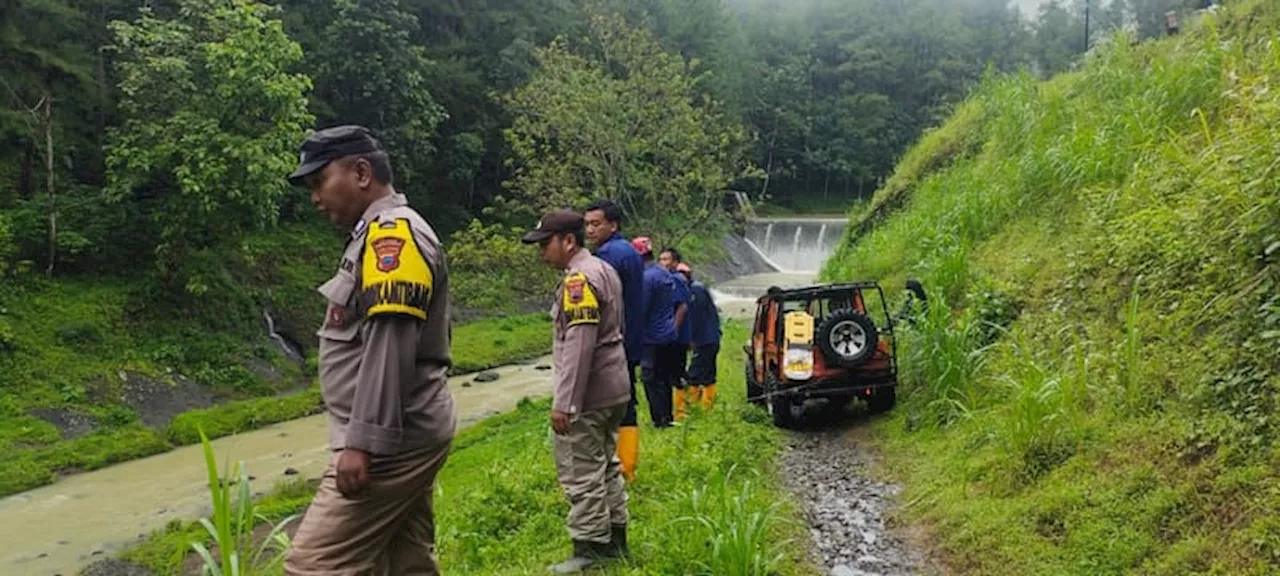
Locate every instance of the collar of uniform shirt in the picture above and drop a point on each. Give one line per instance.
(577, 258)
(388, 201)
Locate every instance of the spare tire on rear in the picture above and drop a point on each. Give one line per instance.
(847, 338)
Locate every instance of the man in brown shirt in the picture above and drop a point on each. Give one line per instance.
(591, 391)
(384, 356)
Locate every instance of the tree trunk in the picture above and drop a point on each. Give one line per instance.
(53, 198)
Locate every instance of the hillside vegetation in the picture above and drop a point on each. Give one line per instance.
(1094, 388)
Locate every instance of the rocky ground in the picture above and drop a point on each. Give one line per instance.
(829, 469)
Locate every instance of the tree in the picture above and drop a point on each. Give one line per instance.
(619, 117)
(212, 119)
(367, 71)
(42, 64)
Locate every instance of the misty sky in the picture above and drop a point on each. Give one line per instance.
(1028, 7)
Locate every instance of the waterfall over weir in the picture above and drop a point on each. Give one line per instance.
(795, 244)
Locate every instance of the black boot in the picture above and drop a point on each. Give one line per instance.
(585, 555)
(618, 541)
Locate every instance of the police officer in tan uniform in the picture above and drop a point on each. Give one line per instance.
(592, 390)
(384, 355)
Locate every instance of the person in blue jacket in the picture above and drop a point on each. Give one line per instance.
(704, 318)
(670, 259)
(659, 369)
(604, 232)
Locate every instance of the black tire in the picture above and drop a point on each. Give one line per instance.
(882, 400)
(847, 338)
(780, 407)
(755, 394)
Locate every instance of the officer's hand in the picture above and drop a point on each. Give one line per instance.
(560, 422)
(352, 471)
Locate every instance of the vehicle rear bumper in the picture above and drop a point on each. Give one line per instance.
(837, 387)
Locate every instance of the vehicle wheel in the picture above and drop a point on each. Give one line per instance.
(848, 338)
(780, 407)
(755, 394)
(883, 400)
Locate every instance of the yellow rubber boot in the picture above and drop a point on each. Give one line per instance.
(629, 450)
(708, 396)
(678, 397)
(694, 392)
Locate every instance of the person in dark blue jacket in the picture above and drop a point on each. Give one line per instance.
(603, 224)
(704, 319)
(670, 259)
(659, 369)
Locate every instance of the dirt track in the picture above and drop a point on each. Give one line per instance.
(830, 467)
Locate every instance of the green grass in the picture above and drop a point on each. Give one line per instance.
(1094, 390)
(707, 497)
(496, 341)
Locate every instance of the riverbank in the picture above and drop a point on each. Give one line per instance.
(90, 515)
(135, 411)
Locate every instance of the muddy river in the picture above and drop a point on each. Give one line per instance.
(60, 528)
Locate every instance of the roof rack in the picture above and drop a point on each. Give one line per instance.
(815, 289)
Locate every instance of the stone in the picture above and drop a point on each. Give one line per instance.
(290, 472)
(542, 367)
(489, 376)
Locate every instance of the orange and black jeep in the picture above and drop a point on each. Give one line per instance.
(823, 341)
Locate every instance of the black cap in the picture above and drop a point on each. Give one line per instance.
(325, 146)
(552, 223)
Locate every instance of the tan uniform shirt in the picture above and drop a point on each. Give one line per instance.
(384, 346)
(590, 361)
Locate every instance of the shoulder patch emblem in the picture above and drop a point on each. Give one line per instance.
(579, 304)
(576, 288)
(388, 252)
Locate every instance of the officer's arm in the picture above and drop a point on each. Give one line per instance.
(387, 364)
(396, 288)
(581, 315)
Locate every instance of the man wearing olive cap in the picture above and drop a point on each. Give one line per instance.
(592, 390)
(384, 355)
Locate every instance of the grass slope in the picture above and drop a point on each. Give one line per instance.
(707, 496)
(83, 361)
(1093, 390)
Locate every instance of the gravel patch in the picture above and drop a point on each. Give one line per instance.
(846, 507)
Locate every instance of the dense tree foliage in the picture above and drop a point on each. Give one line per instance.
(185, 113)
(211, 117)
(619, 117)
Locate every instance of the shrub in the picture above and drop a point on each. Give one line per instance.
(491, 270)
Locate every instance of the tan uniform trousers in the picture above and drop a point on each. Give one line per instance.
(591, 474)
(388, 529)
